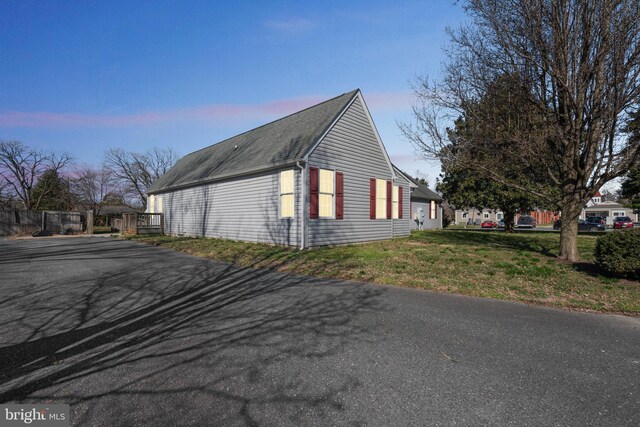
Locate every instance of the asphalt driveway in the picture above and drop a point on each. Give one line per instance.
(130, 334)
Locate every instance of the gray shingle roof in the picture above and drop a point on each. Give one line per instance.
(279, 143)
(421, 192)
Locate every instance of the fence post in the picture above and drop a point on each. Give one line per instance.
(162, 224)
(90, 222)
(44, 220)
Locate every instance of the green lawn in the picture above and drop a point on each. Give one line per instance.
(101, 229)
(517, 267)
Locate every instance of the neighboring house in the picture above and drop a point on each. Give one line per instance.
(320, 176)
(476, 216)
(607, 210)
(595, 200)
(425, 204)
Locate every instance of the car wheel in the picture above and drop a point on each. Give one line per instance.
(593, 229)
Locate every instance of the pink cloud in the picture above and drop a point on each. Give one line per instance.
(214, 113)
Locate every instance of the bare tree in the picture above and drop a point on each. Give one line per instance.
(579, 64)
(93, 186)
(5, 197)
(22, 167)
(137, 171)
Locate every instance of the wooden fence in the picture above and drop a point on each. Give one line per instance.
(142, 223)
(13, 221)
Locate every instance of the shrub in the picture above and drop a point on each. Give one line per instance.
(619, 252)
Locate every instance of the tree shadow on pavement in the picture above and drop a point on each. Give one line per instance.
(148, 334)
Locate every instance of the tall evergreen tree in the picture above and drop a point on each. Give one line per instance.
(52, 192)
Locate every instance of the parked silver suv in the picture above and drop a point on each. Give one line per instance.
(526, 221)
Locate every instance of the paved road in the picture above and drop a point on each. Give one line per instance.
(137, 335)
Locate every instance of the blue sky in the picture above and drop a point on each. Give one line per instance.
(84, 76)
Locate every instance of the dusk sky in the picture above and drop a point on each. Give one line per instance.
(85, 76)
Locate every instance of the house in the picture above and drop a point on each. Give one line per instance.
(425, 206)
(607, 210)
(595, 200)
(317, 177)
(477, 216)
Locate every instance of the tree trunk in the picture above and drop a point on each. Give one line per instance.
(569, 231)
(509, 220)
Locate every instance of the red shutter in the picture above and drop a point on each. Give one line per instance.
(399, 202)
(389, 197)
(339, 195)
(372, 198)
(430, 209)
(313, 193)
(435, 212)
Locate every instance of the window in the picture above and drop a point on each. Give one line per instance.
(287, 200)
(464, 215)
(486, 215)
(158, 204)
(499, 216)
(326, 188)
(432, 210)
(326, 193)
(396, 198)
(381, 199)
(618, 214)
(151, 201)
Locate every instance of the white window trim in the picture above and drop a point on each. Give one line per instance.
(433, 210)
(333, 195)
(395, 202)
(280, 194)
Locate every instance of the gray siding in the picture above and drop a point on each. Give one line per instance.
(402, 227)
(428, 223)
(351, 147)
(240, 209)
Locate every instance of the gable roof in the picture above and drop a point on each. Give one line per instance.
(420, 191)
(397, 171)
(279, 143)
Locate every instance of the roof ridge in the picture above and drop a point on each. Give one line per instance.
(287, 138)
(273, 121)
